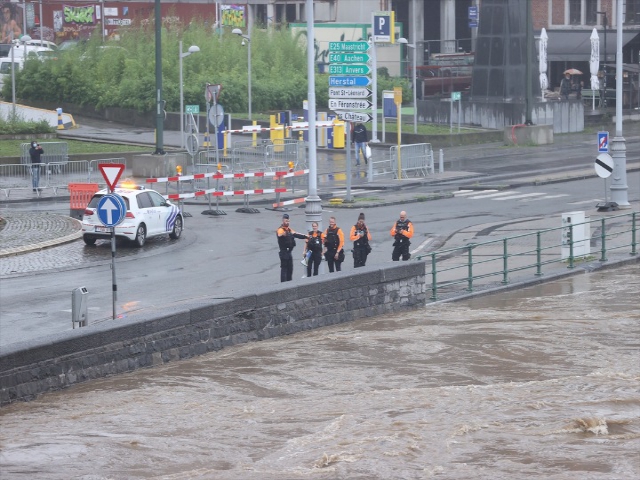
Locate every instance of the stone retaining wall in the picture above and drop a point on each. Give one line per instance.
(30, 368)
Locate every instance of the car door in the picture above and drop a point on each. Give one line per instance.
(148, 212)
(165, 212)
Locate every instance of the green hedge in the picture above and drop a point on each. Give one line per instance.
(123, 74)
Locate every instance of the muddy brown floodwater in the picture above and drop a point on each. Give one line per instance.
(543, 382)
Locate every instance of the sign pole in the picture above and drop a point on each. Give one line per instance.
(114, 285)
(347, 124)
(397, 98)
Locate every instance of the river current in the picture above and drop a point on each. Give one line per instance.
(542, 382)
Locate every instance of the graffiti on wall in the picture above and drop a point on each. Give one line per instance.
(82, 15)
(233, 16)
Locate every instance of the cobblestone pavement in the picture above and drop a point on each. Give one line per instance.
(26, 231)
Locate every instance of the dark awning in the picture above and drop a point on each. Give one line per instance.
(564, 46)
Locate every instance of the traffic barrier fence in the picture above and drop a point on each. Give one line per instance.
(52, 175)
(416, 159)
(54, 152)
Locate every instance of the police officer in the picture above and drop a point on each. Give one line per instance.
(360, 236)
(286, 242)
(333, 243)
(401, 231)
(313, 245)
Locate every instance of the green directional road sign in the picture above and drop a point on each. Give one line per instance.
(455, 96)
(348, 46)
(349, 69)
(349, 58)
(192, 109)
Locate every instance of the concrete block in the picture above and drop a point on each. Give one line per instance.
(528, 135)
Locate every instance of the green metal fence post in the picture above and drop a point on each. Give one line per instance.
(470, 269)
(570, 245)
(603, 241)
(505, 267)
(538, 254)
(633, 234)
(434, 282)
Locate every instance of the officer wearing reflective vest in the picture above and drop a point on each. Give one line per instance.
(286, 243)
(360, 236)
(333, 243)
(402, 231)
(314, 246)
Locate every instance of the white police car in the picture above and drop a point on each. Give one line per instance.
(149, 214)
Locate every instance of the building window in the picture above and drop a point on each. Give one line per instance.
(575, 12)
(591, 9)
(632, 12)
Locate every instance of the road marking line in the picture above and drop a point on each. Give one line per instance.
(499, 194)
(462, 193)
(422, 245)
(522, 195)
(594, 200)
(545, 198)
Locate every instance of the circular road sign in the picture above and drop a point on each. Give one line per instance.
(604, 165)
(216, 114)
(111, 209)
(192, 144)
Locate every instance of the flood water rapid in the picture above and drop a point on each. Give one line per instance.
(542, 382)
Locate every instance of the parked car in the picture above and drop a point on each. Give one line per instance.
(148, 215)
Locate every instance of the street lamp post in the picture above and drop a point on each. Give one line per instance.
(604, 64)
(24, 39)
(192, 49)
(237, 31)
(415, 96)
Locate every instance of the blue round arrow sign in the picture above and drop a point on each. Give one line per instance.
(111, 209)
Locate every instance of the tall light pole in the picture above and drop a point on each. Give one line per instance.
(618, 184)
(192, 49)
(604, 64)
(24, 39)
(415, 95)
(313, 204)
(237, 31)
(159, 102)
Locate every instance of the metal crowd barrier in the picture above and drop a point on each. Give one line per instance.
(52, 175)
(416, 159)
(54, 152)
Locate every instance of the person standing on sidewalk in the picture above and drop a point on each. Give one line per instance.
(35, 152)
(360, 138)
(334, 245)
(313, 245)
(401, 231)
(286, 243)
(360, 236)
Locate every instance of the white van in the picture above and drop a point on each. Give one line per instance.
(22, 50)
(5, 69)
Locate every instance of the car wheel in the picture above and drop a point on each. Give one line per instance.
(89, 240)
(177, 228)
(141, 236)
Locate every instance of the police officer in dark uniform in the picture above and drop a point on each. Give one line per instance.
(314, 245)
(401, 231)
(333, 244)
(360, 236)
(286, 242)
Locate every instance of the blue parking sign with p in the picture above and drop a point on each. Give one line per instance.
(603, 142)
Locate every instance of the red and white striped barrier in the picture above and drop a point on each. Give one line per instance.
(216, 193)
(294, 127)
(289, 202)
(216, 175)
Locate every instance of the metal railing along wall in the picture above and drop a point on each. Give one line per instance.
(486, 263)
(416, 159)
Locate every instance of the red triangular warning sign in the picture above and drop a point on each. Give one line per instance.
(111, 173)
